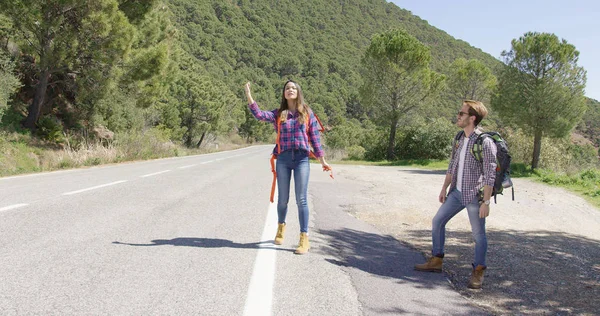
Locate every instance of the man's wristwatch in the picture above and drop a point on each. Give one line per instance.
(486, 202)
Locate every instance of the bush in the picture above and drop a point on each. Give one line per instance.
(559, 155)
(426, 140)
(345, 135)
(8, 82)
(50, 128)
(375, 144)
(150, 144)
(356, 152)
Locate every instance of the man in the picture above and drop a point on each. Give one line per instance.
(466, 177)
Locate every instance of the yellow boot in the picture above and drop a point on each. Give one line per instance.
(303, 245)
(476, 277)
(433, 264)
(280, 233)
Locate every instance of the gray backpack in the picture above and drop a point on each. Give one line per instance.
(503, 159)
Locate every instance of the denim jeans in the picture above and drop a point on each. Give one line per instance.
(451, 207)
(296, 160)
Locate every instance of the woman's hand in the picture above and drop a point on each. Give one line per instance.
(248, 94)
(326, 167)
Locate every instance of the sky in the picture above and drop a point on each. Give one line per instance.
(492, 25)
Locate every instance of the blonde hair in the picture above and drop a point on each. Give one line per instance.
(476, 109)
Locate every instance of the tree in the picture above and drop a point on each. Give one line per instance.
(397, 79)
(254, 130)
(590, 124)
(470, 79)
(204, 107)
(78, 43)
(8, 82)
(541, 88)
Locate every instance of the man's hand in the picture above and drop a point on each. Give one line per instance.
(442, 196)
(484, 210)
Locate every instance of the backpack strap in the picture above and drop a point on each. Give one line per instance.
(457, 137)
(477, 150)
(320, 128)
(273, 158)
(278, 135)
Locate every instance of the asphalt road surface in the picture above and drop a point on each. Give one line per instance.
(193, 236)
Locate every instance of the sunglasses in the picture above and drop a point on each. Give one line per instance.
(461, 113)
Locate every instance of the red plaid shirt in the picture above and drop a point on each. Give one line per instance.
(293, 135)
(475, 174)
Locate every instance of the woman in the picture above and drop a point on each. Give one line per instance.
(297, 129)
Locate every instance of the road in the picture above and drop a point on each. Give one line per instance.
(193, 236)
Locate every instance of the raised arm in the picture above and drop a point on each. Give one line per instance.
(266, 116)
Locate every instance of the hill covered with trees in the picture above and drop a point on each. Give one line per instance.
(175, 69)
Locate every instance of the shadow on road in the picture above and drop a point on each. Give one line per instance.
(384, 256)
(206, 243)
(530, 272)
(376, 254)
(533, 272)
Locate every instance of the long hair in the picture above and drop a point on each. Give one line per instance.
(301, 107)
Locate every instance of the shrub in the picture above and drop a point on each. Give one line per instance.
(50, 128)
(345, 135)
(356, 152)
(431, 139)
(375, 144)
(559, 155)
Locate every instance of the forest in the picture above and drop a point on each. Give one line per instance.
(99, 81)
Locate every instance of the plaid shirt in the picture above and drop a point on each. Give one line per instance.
(293, 135)
(475, 174)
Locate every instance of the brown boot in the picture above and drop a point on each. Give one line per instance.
(433, 264)
(303, 245)
(280, 234)
(476, 277)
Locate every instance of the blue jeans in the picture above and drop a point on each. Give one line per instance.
(451, 207)
(296, 160)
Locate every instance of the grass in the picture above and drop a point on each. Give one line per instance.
(415, 163)
(585, 183)
(23, 154)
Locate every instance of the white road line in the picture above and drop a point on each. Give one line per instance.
(93, 188)
(12, 207)
(154, 174)
(203, 163)
(185, 167)
(260, 292)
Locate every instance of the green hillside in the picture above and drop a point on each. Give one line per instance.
(318, 43)
(123, 72)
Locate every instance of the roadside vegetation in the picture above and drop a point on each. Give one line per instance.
(112, 81)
